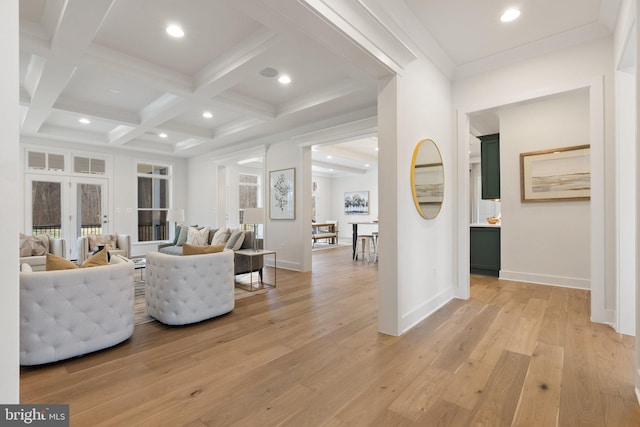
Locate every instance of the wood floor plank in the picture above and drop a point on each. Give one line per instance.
(525, 338)
(461, 345)
(499, 401)
(308, 353)
(540, 398)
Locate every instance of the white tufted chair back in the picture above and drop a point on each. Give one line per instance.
(188, 289)
(69, 313)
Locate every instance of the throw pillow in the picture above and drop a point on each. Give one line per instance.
(198, 237)
(26, 268)
(235, 240)
(176, 235)
(34, 245)
(54, 262)
(108, 241)
(221, 236)
(188, 249)
(184, 232)
(99, 258)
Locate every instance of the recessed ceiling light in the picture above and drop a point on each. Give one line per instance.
(510, 15)
(284, 79)
(175, 30)
(329, 157)
(330, 170)
(367, 165)
(162, 135)
(377, 148)
(84, 121)
(207, 114)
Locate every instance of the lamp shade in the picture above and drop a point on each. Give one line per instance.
(253, 216)
(176, 215)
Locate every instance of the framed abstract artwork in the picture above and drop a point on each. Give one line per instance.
(555, 175)
(356, 202)
(282, 194)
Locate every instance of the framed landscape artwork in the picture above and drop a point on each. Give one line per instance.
(555, 175)
(282, 194)
(356, 202)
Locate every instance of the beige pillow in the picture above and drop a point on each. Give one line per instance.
(235, 240)
(34, 245)
(188, 249)
(55, 262)
(109, 241)
(198, 237)
(220, 237)
(100, 258)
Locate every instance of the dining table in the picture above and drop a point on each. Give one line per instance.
(354, 225)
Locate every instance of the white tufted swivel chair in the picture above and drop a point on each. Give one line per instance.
(69, 313)
(188, 289)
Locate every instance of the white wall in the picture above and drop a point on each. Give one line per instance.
(366, 182)
(280, 235)
(10, 185)
(589, 66)
(543, 242)
(417, 256)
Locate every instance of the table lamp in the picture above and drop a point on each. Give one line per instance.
(254, 216)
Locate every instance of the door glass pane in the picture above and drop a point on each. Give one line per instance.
(161, 199)
(46, 205)
(90, 209)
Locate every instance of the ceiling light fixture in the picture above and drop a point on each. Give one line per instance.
(284, 79)
(162, 135)
(367, 165)
(175, 30)
(510, 15)
(207, 114)
(84, 121)
(329, 157)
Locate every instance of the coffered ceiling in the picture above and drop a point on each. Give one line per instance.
(112, 63)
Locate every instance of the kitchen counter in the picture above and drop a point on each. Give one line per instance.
(484, 224)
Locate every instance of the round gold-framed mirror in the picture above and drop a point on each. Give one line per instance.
(427, 178)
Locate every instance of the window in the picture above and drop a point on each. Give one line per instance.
(45, 161)
(88, 165)
(248, 191)
(154, 182)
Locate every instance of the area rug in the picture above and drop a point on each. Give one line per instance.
(320, 246)
(140, 315)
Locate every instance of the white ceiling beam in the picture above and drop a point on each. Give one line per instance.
(75, 26)
(323, 96)
(96, 111)
(240, 60)
(336, 167)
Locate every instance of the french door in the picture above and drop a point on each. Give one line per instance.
(67, 207)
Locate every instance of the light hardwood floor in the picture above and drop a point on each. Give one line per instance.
(307, 353)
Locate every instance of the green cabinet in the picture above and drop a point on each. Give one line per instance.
(485, 250)
(490, 165)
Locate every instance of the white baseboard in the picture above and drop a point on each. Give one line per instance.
(541, 279)
(425, 310)
(286, 265)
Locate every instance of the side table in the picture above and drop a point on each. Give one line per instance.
(251, 253)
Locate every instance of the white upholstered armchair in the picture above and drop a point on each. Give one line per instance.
(188, 289)
(89, 244)
(67, 313)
